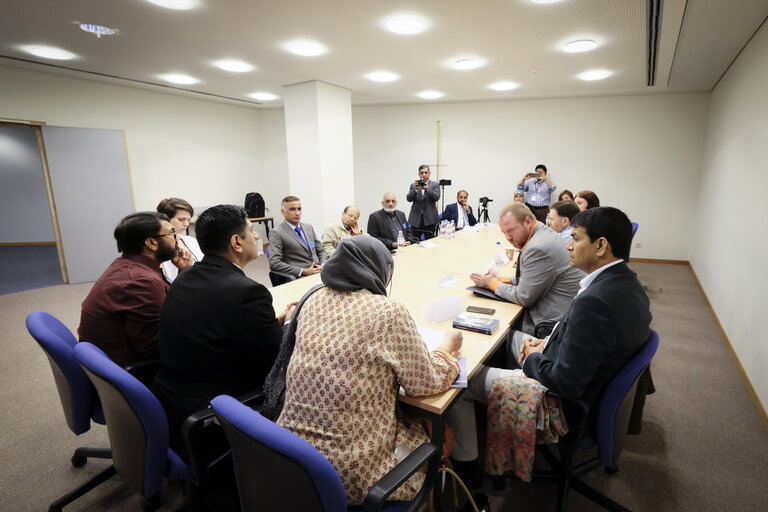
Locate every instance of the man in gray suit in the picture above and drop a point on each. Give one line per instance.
(545, 282)
(293, 247)
(424, 194)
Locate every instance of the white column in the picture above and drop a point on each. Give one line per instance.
(318, 127)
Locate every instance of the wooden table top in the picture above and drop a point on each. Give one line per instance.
(415, 283)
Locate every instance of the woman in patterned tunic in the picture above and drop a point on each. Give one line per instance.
(351, 345)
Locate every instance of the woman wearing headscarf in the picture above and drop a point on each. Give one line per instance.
(352, 345)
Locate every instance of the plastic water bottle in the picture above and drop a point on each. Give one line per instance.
(442, 229)
(400, 241)
(451, 230)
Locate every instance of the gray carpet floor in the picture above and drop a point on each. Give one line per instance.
(27, 267)
(703, 445)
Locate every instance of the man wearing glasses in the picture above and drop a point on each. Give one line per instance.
(121, 314)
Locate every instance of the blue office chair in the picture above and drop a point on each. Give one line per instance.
(137, 427)
(635, 225)
(277, 278)
(603, 426)
(78, 398)
(276, 467)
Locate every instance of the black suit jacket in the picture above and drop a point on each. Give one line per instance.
(218, 334)
(379, 228)
(604, 327)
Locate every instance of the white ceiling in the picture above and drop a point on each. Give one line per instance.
(520, 40)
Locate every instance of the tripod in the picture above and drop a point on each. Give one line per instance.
(483, 213)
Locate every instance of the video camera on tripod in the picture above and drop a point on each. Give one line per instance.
(483, 209)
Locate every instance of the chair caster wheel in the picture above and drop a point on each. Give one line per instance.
(79, 461)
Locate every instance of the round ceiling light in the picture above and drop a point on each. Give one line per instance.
(382, 76)
(98, 30)
(235, 66)
(176, 78)
(49, 52)
(503, 86)
(406, 24)
(430, 95)
(583, 45)
(595, 74)
(176, 5)
(305, 48)
(263, 96)
(465, 64)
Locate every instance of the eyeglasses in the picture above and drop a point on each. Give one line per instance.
(172, 233)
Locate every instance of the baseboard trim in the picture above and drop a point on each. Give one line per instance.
(760, 410)
(653, 260)
(15, 244)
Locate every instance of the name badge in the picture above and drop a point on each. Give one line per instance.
(405, 226)
(312, 244)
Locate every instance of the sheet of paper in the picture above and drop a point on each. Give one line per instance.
(446, 281)
(432, 337)
(427, 244)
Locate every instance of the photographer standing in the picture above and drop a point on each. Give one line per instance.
(538, 189)
(424, 194)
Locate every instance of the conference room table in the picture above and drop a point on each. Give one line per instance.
(422, 276)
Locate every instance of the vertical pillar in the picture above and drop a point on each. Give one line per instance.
(318, 126)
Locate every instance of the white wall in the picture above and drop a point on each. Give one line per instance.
(638, 153)
(202, 151)
(731, 242)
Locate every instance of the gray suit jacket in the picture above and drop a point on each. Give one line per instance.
(423, 203)
(548, 283)
(287, 253)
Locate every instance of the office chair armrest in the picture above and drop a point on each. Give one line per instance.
(277, 278)
(144, 371)
(205, 449)
(427, 452)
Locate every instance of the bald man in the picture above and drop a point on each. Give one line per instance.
(384, 224)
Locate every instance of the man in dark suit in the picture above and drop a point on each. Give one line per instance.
(293, 247)
(460, 212)
(385, 224)
(218, 330)
(607, 323)
(424, 194)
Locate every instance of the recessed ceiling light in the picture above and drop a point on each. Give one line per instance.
(406, 24)
(305, 47)
(545, 1)
(382, 76)
(177, 5)
(49, 52)
(465, 64)
(583, 45)
(235, 66)
(503, 86)
(176, 78)
(263, 96)
(97, 29)
(595, 74)
(430, 95)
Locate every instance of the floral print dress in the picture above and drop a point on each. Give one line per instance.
(340, 386)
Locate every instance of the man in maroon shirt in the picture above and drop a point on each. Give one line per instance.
(121, 314)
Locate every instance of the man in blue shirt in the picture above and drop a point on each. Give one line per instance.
(538, 188)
